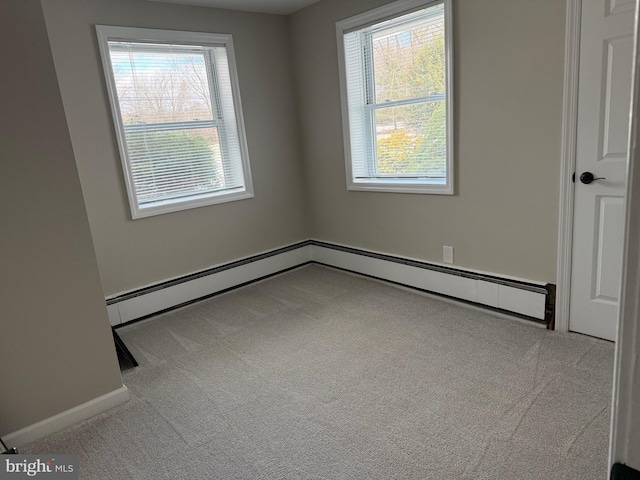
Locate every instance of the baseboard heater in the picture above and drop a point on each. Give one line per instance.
(529, 300)
(623, 472)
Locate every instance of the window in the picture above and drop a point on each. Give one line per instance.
(396, 85)
(176, 108)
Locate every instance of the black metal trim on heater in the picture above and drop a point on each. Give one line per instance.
(124, 354)
(204, 273)
(623, 472)
(550, 306)
(548, 290)
(210, 295)
(422, 290)
(437, 268)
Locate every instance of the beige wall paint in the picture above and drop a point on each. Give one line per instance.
(135, 253)
(56, 349)
(508, 89)
(508, 119)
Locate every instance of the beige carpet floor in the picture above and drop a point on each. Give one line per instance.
(318, 374)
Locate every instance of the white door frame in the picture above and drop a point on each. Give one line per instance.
(568, 162)
(625, 415)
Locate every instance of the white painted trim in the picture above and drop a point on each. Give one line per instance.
(67, 418)
(171, 296)
(624, 444)
(106, 33)
(473, 290)
(381, 13)
(399, 187)
(568, 163)
(448, 44)
(396, 185)
(114, 315)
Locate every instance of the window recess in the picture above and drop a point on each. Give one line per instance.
(177, 113)
(396, 86)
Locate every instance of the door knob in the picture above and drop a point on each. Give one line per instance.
(588, 177)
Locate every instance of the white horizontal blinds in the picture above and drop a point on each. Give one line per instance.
(397, 106)
(231, 152)
(359, 125)
(175, 141)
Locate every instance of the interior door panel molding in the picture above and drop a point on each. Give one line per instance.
(614, 141)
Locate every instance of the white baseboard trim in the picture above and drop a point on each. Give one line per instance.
(508, 294)
(67, 418)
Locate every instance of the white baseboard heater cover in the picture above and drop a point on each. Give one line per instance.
(532, 300)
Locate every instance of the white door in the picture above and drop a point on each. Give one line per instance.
(606, 49)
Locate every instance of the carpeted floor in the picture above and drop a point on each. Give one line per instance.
(317, 374)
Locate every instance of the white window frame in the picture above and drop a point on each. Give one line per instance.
(107, 33)
(384, 183)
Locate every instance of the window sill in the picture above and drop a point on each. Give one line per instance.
(177, 204)
(401, 187)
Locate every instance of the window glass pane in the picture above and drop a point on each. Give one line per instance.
(411, 140)
(160, 83)
(397, 99)
(409, 56)
(169, 164)
(176, 107)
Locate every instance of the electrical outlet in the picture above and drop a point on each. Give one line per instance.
(447, 254)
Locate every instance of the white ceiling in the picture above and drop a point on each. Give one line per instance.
(281, 7)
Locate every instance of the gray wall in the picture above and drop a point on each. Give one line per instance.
(508, 114)
(508, 89)
(134, 253)
(56, 350)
